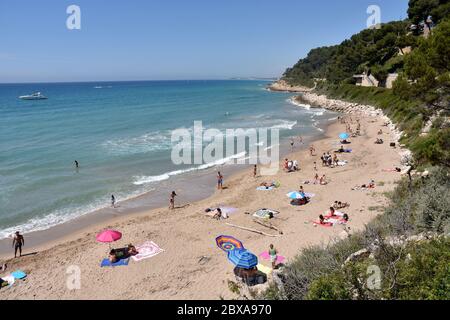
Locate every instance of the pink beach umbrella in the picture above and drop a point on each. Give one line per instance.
(108, 236)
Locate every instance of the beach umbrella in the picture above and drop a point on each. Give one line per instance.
(108, 236)
(344, 136)
(243, 258)
(228, 243)
(295, 195)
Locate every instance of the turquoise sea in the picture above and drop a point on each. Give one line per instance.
(120, 133)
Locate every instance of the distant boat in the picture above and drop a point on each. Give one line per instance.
(33, 96)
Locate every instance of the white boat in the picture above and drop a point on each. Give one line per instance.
(33, 96)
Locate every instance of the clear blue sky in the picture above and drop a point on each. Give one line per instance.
(172, 39)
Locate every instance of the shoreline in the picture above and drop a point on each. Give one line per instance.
(178, 273)
(40, 240)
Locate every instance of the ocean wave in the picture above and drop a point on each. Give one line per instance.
(153, 141)
(65, 215)
(142, 180)
(285, 124)
(293, 101)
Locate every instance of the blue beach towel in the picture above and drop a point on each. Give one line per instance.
(107, 263)
(19, 274)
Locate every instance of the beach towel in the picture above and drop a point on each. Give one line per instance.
(310, 195)
(342, 163)
(262, 188)
(265, 213)
(147, 250)
(228, 210)
(9, 280)
(264, 269)
(19, 274)
(265, 255)
(107, 263)
(325, 224)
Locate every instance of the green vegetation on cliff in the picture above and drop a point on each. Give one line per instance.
(405, 252)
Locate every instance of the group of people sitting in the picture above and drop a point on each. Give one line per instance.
(333, 217)
(340, 205)
(379, 141)
(302, 201)
(219, 213)
(291, 165)
(116, 255)
(370, 185)
(328, 160)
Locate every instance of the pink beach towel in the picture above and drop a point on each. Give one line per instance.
(265, 255)
(147, 250)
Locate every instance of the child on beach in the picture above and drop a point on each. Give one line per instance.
(219, 181)
(172, 200)
(312, 150)
(273, 253)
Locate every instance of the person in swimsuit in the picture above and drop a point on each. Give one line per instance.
(219, 181)
(172, 200)
(273, 255)
(18, 242)
(113, 201)
(77, 165)
(255, 171)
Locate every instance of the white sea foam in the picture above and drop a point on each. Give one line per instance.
(298, 104)
(153, 179)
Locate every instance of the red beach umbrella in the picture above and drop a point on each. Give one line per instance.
(108, 236)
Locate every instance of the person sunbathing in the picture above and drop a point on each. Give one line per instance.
(131, 250)
(340, 205)
(323, 180)
(370, 185)
(218, 214)
(115, 255)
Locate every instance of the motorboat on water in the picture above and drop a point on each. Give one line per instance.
(33, 96)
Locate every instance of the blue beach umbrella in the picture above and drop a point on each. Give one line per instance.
(295, 195)
(243, 258)
(344, 136)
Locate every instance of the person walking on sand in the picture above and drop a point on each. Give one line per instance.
(255, 171)
(273, 253)
(172, 200)
(315, 166)
(113, 201)
(219, 181)
(18, 243)
(311, 150)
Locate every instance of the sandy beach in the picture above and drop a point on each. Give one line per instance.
(192, 266)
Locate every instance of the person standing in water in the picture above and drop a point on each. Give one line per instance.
(172, 200)
(292, 145)
(113, 201)
(18, 242)
(77, 165)
(219, 181)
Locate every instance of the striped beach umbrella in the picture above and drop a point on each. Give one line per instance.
(295, 195)
(228, 243)
(243, 258)
(344, 136)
